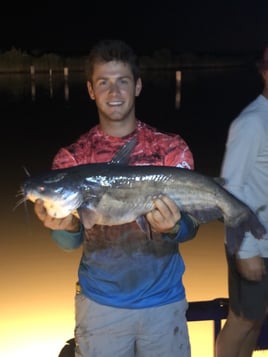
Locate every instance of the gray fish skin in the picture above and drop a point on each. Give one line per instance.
(112, 194)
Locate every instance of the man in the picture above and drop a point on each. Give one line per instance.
(130, 299)
(245, 168)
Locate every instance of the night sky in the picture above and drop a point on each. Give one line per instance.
(224, 26)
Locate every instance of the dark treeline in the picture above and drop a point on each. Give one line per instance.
(18, 61)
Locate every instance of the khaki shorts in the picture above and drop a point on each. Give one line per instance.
(113, 332)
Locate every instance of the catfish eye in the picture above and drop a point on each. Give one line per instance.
(41, 189)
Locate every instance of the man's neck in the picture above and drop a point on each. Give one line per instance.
(118, 128)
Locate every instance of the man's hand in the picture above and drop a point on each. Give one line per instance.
(69, 223)
(165, 215)
(251, 268)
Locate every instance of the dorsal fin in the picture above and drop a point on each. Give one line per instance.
(122, 156)
(220, 180)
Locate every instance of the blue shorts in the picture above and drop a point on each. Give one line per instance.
(247, 298)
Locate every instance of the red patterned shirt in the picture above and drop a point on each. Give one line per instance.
(120, 266)
(153, 148)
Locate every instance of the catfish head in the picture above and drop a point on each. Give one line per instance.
(55, 188)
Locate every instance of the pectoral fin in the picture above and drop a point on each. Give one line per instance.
(88, 217)
(144, 226)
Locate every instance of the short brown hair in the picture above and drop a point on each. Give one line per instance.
(112, 50)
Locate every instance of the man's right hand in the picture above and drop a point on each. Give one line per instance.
(251, 268)
(70, 223)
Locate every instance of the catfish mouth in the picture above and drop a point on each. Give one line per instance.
(58, 206)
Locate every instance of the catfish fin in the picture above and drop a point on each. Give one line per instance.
(75, 213)
(88, 216)
(144, 226)
(205, 215)
(261, 208)
(220, 180)
(236, 234)
(122, 156)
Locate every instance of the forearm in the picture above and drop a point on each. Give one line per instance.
(185, 229)
(68, 240)
(249, 247)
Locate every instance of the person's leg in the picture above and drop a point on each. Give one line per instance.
(248, 302)
(238, 337)
(103, 330)
(163, 331)
(249, 344)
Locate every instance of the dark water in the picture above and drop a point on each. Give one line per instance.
(41, 116)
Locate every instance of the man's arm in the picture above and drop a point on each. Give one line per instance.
(251, 268)
(240, 155)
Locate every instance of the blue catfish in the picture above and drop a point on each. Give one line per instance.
(115, 193)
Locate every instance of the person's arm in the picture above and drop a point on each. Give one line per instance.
(184, 230)
(67, 240)
(240, 155)
(178, 154)
(251, 268)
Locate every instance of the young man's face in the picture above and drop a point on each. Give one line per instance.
(114, 90)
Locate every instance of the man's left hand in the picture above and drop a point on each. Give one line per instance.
(165, 215)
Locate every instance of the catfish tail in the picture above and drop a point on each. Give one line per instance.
(235, 235)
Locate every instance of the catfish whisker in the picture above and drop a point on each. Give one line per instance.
(20, 202)
(20, 193)
(26, 171)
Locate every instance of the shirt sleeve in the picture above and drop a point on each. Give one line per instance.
(68, 240)
(63, 159)
(179, 154)
(240, 154)
(187, 231)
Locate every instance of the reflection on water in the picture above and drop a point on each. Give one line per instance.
(38, 279)
(51, 84)
(18, 87)
(178, 89)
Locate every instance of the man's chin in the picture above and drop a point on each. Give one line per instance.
(116, 116)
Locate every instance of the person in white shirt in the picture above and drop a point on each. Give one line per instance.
(245, 170)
